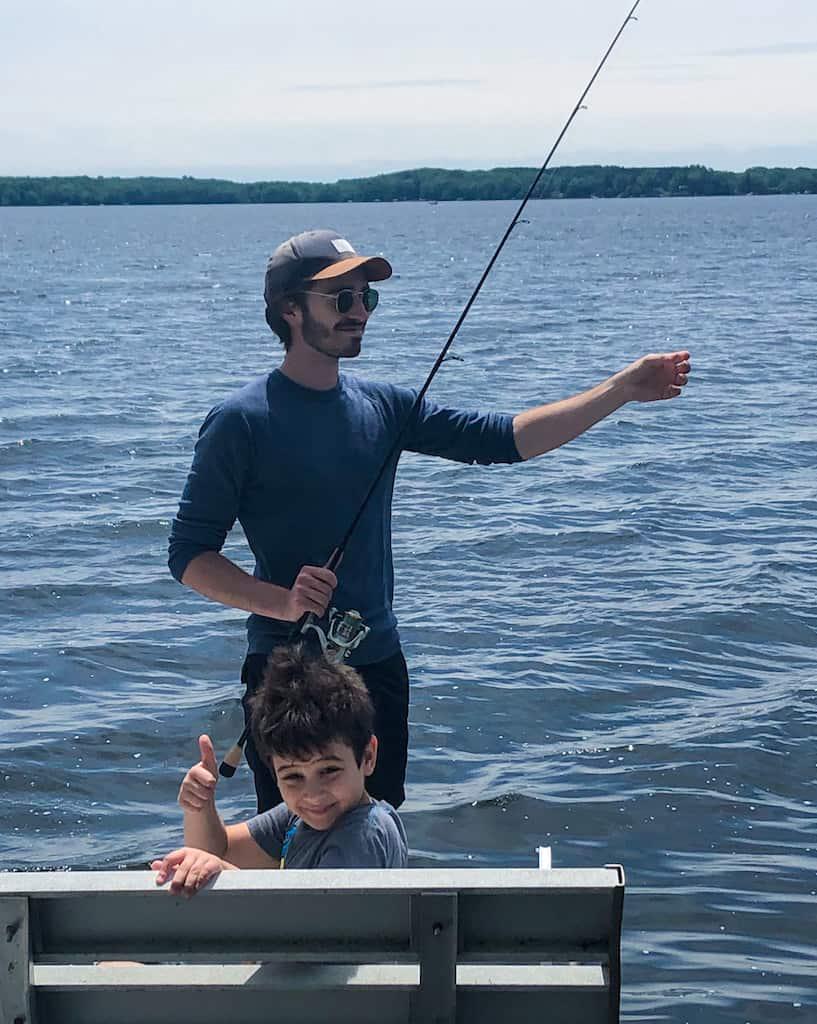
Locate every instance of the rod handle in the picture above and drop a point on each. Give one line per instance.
(232, 759)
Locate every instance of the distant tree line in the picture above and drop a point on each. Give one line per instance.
(428, 183)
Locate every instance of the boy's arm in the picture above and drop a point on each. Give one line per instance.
(189, 870)
(243, 851)
(203, 827)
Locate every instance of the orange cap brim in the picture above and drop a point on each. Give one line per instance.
(375, 267)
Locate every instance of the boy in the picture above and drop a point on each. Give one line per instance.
(313, 721)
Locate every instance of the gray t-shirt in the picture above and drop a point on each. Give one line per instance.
(369, 836)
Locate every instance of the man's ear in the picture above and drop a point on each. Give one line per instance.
(369, 756)
(289, 310)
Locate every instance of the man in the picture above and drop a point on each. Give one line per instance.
(293, 453)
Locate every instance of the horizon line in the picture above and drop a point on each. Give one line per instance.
(405, 170)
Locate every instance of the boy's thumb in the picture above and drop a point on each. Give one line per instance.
(208, 754)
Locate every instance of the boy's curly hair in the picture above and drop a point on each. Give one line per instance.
(305, 703)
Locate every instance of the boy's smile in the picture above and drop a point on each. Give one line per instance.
(322, 787)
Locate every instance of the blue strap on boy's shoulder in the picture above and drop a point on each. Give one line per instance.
(288, 837)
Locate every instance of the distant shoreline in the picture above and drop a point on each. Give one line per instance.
(422, 185)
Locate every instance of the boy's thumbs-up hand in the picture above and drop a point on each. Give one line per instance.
(198, 789)
(208, 756)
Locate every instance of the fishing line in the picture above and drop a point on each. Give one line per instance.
(232, 759)
(338, 552)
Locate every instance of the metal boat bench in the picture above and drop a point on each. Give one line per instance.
(427, 946)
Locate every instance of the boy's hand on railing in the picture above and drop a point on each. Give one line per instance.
(198, 788)
(188, 870)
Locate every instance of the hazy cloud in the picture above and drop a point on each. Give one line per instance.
(407, 83)
(767, 51)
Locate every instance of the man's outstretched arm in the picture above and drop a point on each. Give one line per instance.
(649, 379)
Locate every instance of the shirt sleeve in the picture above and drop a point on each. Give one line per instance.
(268, 829)
(460, 435)
(211, 498)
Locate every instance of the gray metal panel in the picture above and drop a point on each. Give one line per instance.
(514, 914)
(434, 939)
(148, 924)
(584, 1006)
(532, 976)
(68, 883)
(540, 919)
(242, 956)
(245, 1006)
(137, 926)
(281, 977)
(15, 1003)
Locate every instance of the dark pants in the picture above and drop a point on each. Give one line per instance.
(388, 685)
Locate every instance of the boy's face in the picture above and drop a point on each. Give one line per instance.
(326, 784)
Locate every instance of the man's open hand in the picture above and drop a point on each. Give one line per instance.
(655, 377)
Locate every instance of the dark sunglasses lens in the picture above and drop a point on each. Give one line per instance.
(345, 299)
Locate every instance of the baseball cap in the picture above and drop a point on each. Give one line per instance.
(316, 256)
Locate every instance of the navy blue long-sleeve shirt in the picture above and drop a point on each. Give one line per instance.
(293, 464)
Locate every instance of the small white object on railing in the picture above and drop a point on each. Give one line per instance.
(545, 861)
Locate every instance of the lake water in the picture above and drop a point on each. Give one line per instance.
(613, 649)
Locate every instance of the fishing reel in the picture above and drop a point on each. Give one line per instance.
(343, 633)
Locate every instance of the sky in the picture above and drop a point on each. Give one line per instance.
(317, 91)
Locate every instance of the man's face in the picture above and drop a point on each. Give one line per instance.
(326, 784)
(337, 335)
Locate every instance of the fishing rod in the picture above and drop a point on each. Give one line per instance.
(346, 631)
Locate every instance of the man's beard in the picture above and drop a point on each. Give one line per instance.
(318, 335)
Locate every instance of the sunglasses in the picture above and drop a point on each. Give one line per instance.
(345, 298)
